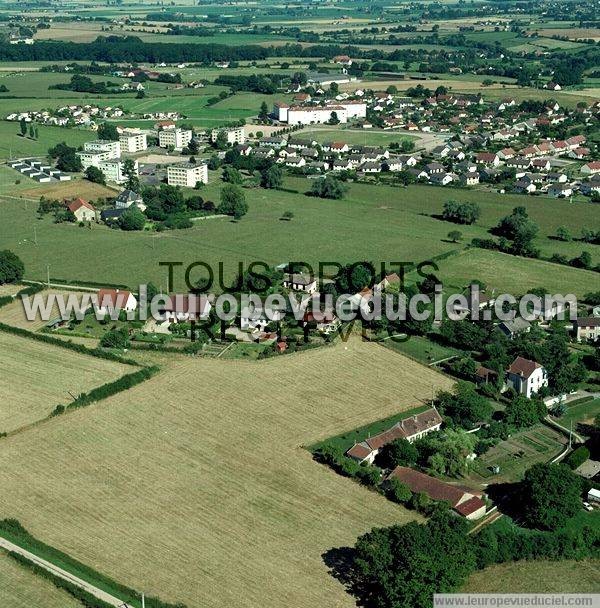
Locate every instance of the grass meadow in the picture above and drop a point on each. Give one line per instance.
(379, 223)
(36, 377)
(565, 576)
(200, 472)
(21, 588)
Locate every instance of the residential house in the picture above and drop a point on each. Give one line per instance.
(411, 429)
(487, 158)
(182, 308)
(514, 327)
(300, 282)
(591, 168)
(109, 300)
(465, 502)
(526, 377)
(469, 179)
(82, 210)
(560, 190)
(587, 328)
(127, 198)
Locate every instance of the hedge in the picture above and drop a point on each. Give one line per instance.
(112, 388)
(80, 348)
(12, 530)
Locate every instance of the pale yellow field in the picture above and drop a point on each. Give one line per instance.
(20, 588)
(195, 486)
(14, 313)
(537, 577)
(10, 289)
(36, 377)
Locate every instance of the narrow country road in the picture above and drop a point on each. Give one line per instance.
(42, 563)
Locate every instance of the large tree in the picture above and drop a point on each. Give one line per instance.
(465, 406)
(233, 201)
(397, 452)
(403, 566)
(551, 494)
(11, 267)
(328, 187)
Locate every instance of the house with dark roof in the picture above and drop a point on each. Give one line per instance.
(587, 328)
(465, 502)
(514, 326)
(411, 429)
(526, 377)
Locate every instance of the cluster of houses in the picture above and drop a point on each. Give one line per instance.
(77, 115)
(465, 502)
(476, 129)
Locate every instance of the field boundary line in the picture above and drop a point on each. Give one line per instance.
(61, 573)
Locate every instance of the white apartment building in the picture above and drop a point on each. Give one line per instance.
(103, 146)
(235, 135)
(98, 151)
(187, 174)
(306, 115)
(176, 137)
(113, 170)
(131, 142)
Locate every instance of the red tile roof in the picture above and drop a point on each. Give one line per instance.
(77, 203)
(469, 506)
(113, 298)
(434, 488)
(523, 367)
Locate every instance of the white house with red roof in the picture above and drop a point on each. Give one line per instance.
(82, 210)
(526, 377)
(113, 299)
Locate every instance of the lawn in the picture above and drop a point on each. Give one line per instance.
(199, 472)
(20, 588)
(36, 377)
(517, 454)
(514, 275)
(580, 413)
(380, 223)
(421, 348)
(12, 145)
(565, 576)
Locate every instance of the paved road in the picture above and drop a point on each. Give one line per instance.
(101, 595)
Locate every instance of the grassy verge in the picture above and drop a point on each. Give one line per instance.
(13, 531)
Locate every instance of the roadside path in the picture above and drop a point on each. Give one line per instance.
(42, 563)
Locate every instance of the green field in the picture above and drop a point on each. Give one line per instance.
(379, 223)
(422, 349)
(12, 145)
(537, 577)
(509, 274)
(580, 413)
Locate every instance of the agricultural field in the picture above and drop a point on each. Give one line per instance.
(537, 577)
(420, 348)
(181, 466)
(37, 377)
(20, 588)
(515, 455)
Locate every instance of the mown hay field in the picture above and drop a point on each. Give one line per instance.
(20, 588)
(537, 577)
(36, 377)
(195, 485)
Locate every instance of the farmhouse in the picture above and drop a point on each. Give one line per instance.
(187, 175)
(526, 377)
(82, 210)
(184, 307)
(300, 282)
(113, 299)
(587, 328)
(464, 502)
(411, 428)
